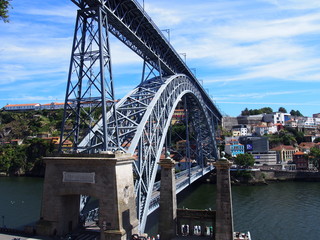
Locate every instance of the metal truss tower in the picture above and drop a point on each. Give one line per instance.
(90, 92)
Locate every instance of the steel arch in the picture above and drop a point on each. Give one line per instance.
(143, 119)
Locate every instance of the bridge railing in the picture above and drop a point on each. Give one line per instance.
(92, 215)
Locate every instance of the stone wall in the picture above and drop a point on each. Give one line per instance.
(229, 122)
(287, 175)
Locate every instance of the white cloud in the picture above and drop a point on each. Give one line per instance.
(259, 95)
(295, 4)
(273, 103)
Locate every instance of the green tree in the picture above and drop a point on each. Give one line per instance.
(314, 157)
(18, 162)
(299, 136)
(245, 160)
(37, 149)
(299, 114)
(282, 109)
(178, 132)
(316, 140)
(4, 5)
(12, 159)
(296, 113)
(266, 110)
(245, 112)
(5, 160)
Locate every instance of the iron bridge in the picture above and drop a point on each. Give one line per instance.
(138, 124)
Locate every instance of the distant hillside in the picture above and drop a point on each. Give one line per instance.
(21, 151)
(20, 125)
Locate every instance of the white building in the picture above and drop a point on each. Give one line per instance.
(21, 107)
(276, 117)
(262, 129)
(306, 122)
(239, 130)
(291, 123)
(52, 106)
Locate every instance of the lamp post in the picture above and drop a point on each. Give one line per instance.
(185, 57)
(168, 32)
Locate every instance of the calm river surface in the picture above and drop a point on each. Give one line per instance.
(278, 211)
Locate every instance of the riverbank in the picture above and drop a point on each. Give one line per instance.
(263, 177)
(276, 175)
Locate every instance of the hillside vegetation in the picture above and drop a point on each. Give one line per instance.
(26, 158)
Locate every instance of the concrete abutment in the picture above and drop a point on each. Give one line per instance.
(107, 177)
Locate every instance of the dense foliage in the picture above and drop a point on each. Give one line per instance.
(178, 132)
(26, 158)
(296, 113)
(247, 112)
(286, 136)
(244, 160)
(267, 110)
(4, 5)
(282, 109)
(314, 157)
(18, 125)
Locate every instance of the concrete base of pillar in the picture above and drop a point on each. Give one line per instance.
(107, 177)
(46, 228)
(121, 234)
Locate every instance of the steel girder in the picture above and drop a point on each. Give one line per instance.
(128, 21)
(143, 119)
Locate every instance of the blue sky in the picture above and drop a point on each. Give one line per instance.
(259, 53)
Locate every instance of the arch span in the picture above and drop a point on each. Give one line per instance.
(143, 119)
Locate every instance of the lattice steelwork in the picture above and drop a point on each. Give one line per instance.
(90, 84)
(139, 122)
(143, 120)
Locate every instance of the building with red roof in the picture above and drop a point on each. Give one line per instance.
(300, 159)
(284, 153)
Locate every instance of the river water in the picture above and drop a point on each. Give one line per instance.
(20, 201)
(278, 211)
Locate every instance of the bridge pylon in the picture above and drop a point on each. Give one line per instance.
(90, 91)
(106, 177)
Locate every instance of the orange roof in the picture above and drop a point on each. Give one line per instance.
(281, 147)
(299, 153)
(307, 144)
(21, 105)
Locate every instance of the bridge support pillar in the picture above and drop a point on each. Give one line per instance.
(107, 177)
(224, 215)
(168, 200)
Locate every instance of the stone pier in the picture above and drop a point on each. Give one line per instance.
(224, 214)
(107, 177)
(168, 200)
